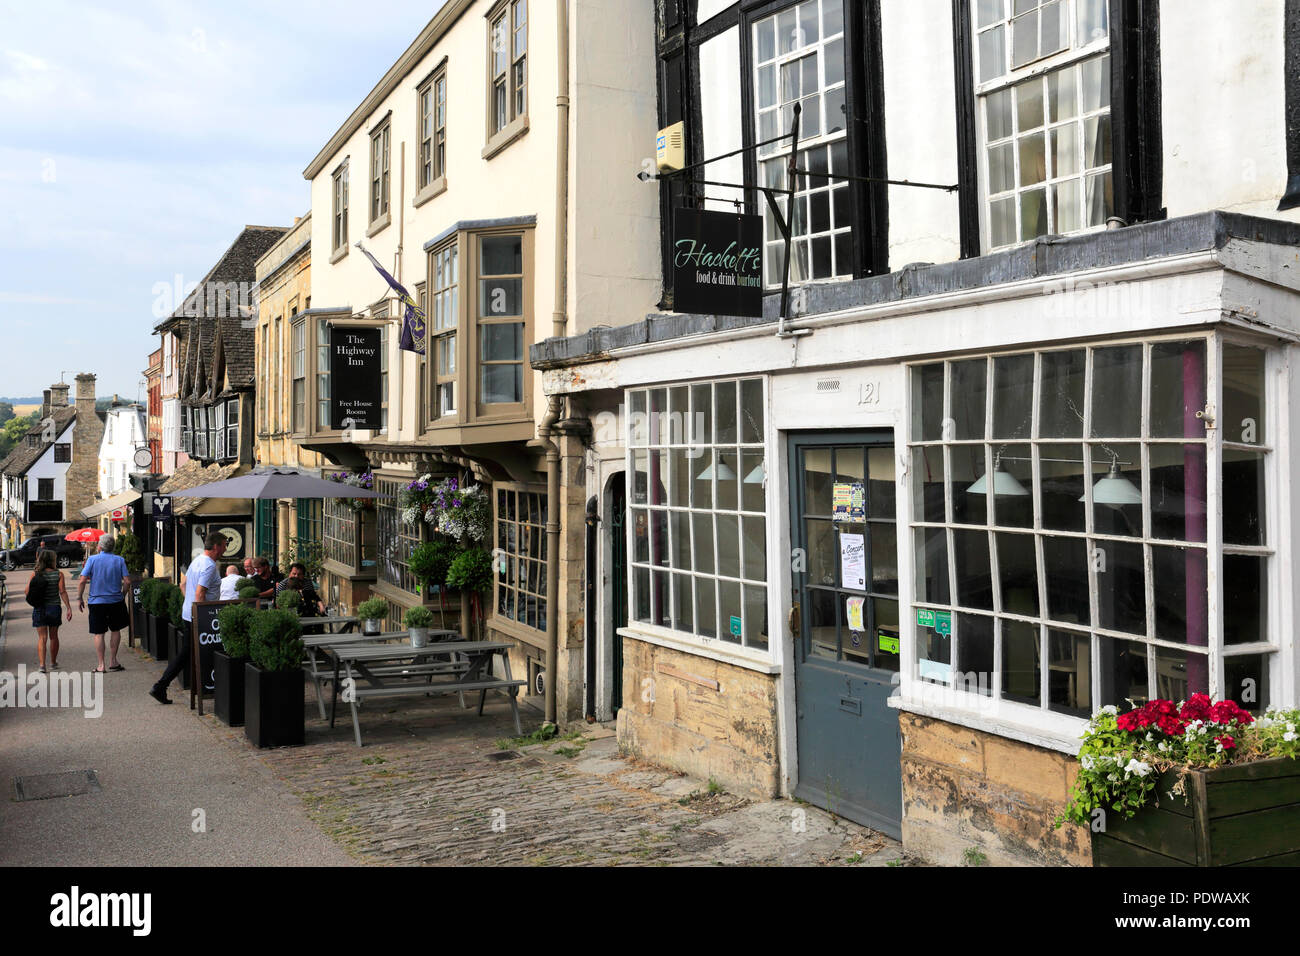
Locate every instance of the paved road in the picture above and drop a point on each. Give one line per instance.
(156, 766)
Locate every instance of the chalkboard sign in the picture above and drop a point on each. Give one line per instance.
(207, 632)
(717, 263)
(355, 399)
(137, 611)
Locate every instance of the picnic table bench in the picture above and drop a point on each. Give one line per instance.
(377, 670)
(319, 664)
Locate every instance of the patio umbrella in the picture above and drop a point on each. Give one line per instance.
(277, 483)
(84, 534)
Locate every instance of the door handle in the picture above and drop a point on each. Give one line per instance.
(793, 620)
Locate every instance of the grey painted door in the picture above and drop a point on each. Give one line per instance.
(846, 593)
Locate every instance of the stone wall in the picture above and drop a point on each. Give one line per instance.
(82, 478)
(965, 788)
(700, 716)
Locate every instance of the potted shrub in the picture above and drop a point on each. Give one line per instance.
(178, 629)
(418, 620)
(160, 644)
(1189, 784)
(372, 613)
(233, 623)
(429, 562)
(274, 680)
(148, 602)
(471, 573)
(288, 600)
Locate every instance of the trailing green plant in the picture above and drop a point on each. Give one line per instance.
(128, 548)
(310, 554)
(470, 571)
(373, 609)
(430, 561)
(288, 600)
(1123, 755)
(418, 616)
(275, 640)
(234, 622)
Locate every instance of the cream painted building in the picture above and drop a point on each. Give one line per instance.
(492, 171)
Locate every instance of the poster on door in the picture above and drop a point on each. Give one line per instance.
(853, 561)
(848, 501)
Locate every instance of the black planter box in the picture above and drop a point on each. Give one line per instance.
(158, 641)
(229, 677)
(175, 637)
(273, 706)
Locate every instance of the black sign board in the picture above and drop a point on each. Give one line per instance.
(207, 633)
(162, 507)
(717, 263)
(355, 397)
(137, 611)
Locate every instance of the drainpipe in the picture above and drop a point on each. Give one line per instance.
(559, 323)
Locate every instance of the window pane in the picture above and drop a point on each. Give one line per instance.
(969, 385)
(1121, 587)
(755, 548)
(1033, 212)
(1002, 221)
(1013, 477)
(884, 558)
(1243, 497)
(702, 414)
(1096, 83)
(683, 609)
(927, 403)
(702, 525)
(751, 406)
(753, 473)
(1021, 674)
(1177, 389)
(725, 412)
(730, 611)
(1062, 95)
(706, 607)
(974, 583)
(881, 483)
(1245, 680)
(1013, 389)
(1123, 673)
(1245, 599)
(1065, 152)
(997, 115)
(1018, 573)
(1066, 569)
(1069, 672)
(927, 486)
(755, 616)
(1117, 392)
(502, 342)
(1029, 104)
(500, 297)
(1180, 674)
(1179, 588)
(502, 384)
(969, 484)
(1174, 512)
(1033, 162)
(993, 53)
(1117, 489)
(931, 551)
(1243, 395)
(641, 595)
(679, 528)
(728, 532)
(1002, 169)
(1092, 17)
(975, 654)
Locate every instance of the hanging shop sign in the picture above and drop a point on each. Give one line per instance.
(355, 395)
(717, 263)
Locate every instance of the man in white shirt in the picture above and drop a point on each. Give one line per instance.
(201, 580)
(228, 584)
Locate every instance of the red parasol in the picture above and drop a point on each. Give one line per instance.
(85, 534)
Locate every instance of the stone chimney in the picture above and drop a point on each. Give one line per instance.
(45, 404)
(82, 479)
(58, 395)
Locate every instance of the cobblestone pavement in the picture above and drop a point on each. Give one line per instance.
(429, 787)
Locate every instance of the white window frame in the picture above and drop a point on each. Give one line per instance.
(1030, 721)
(1070, 58)
(640, 436)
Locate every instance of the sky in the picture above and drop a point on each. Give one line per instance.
(137, 139)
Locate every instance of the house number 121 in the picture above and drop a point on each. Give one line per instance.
(869, 393)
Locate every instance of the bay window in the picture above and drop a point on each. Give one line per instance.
(232, 428)
(1068, 551)
(697, 511)
(444, 318)
(299, 397)
(322, 374)
(520, 579)
(501, 320)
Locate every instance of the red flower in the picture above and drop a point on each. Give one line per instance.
(1226, 711)
(1226, 741)
(1198, 708)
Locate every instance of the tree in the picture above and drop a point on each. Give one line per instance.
(6, 412)
(12, 432)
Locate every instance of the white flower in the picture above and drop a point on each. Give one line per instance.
(1163, 746)
(1149, 738)
(1109, 709)
(1289, 736)
(1138, 767)
(1290, 727)
(1086, 762)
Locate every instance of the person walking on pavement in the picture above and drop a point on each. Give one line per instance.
(48, 581)
(202, 582)
(109, 580)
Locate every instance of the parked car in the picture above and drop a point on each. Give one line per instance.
(25, 554)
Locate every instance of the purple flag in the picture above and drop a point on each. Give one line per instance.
(413, 319)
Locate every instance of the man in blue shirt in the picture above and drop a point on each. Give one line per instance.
(202, 583)
(109, 580)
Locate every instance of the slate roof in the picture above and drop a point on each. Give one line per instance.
(238, 264)
(237, 352)
(24, 455)
(191, 475)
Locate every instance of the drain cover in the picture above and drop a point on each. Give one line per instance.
(505, 755)
(43, 786)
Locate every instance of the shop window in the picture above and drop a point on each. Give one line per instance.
(394, 538)
(521, 555)
(1063, 547)
(697, 510)
(1042, 83)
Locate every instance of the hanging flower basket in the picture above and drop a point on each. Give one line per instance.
(363, 480)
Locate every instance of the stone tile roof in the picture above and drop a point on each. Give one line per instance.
(191, 475)
(25, 455)
(238, 264)
(237, 352)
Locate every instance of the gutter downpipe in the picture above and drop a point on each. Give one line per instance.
(559, 322)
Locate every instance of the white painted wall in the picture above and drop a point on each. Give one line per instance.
(124, 431)
(1223, 93)
(721, 112)
(47, 467)
(711, 8)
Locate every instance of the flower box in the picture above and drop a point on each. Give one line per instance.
(1245, 814)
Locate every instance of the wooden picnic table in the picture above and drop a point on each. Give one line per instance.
(379, 670)
(348, 623)
(318, 646)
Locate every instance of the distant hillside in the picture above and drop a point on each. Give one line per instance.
(25, 400)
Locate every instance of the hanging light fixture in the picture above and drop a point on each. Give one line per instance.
(758, 474)
(1004, 484)
(1115, 489)
(724, 472)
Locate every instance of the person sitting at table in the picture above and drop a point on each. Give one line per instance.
(262, 580)
(298, 580)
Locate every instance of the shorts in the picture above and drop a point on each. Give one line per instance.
(108, 617)
(46, 616)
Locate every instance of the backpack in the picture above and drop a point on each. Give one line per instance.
(35, 594)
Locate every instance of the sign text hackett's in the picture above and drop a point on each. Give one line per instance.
(355, 397)
(717, 263)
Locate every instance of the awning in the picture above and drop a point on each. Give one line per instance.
(119, 500)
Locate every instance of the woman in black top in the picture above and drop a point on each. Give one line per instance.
(49, 582)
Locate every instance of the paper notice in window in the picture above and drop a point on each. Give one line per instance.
(848, 501)
(855, 614)
(853, 561)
